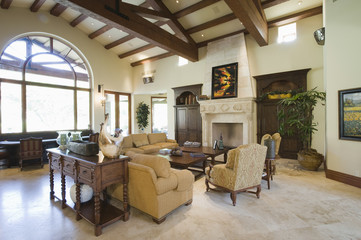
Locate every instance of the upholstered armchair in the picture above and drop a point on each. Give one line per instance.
(243, 171)
(154, 187)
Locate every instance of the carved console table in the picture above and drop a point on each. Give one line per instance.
(97, 172)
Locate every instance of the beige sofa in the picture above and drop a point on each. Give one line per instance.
(154, 187)
(147, 143)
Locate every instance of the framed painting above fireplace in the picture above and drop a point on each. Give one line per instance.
(224, 81)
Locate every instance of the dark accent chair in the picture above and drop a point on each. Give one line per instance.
(93, 137)
(30, 149)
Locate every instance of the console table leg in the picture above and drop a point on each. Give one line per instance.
(51, 172)
(125, 202)
(77, 204)
(98, 229)
(63, 202)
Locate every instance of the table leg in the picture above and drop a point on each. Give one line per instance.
(125, 202)
(225, 155)
(51, 173)
(204, 166)
(213, 160)
(77, 204)
(268, 165)
(97, 227)
(63, 201)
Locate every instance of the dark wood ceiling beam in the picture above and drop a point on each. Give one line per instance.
(138, 26)
(195, 7)
(271, 3)
(58, 9)
(176, 26)
(99, 32)
(151, 59)
(37, 5)
(119, 41)
(295, 17)
(247, 12)
(146, 12)
(212, 23)
(78, 20)
(5, 4)
(135, 51)
(273, 23)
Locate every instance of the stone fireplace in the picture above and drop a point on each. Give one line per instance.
(234, 118)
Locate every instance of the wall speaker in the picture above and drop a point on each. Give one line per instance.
(147, 80)
(319, 35)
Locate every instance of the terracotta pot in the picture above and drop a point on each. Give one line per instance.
(310, 159)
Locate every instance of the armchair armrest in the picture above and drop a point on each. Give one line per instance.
(185, 179)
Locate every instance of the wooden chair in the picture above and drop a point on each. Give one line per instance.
(243, 171)
(94, 137)
(30, 149)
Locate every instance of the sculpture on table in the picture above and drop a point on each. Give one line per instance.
(110, 146)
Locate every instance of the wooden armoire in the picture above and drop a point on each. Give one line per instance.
(188, 120)
(267, 120)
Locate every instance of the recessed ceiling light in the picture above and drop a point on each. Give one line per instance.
(109, 36)
(202, 35)
(92, 23)
(177, 1)
(300, 2)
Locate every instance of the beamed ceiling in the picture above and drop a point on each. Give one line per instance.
(140, 31)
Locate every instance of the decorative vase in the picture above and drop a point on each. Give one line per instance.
(86, 193)
(110, 146)
(62, 139)
(310, 159)
(75, 136)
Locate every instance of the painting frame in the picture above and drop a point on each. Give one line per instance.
(225, 81)
(349, 103)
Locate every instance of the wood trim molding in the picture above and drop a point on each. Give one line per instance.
(137, 50)
(344, 178)
(119, 41)
(295, 17)
(99, 32)
(211, 23)
(57, 10)
(194, 7)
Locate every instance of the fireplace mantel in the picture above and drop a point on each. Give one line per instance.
(230, 110)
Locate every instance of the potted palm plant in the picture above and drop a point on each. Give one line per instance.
(295, 117)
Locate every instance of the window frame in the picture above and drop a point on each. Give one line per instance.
(23, 83)
(151, 111)
(117, 113)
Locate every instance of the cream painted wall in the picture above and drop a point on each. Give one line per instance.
(342, 71)
(302, 53)
(167, 75)
(106, 67)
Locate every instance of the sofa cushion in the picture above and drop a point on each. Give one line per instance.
(150, 148)
(140, 139)
(160, 165)
(166, 145)
(127, 142)
(132, 149)
(157, 138)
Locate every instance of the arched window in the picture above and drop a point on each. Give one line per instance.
(44, 85)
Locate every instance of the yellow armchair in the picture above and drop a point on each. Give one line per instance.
(242, 171)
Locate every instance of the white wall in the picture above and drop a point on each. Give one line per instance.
(302, 53)
(106, 67)
(342, 71)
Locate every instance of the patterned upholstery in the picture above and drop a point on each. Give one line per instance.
(242, 171)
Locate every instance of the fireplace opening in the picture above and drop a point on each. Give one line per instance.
(232, 133)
